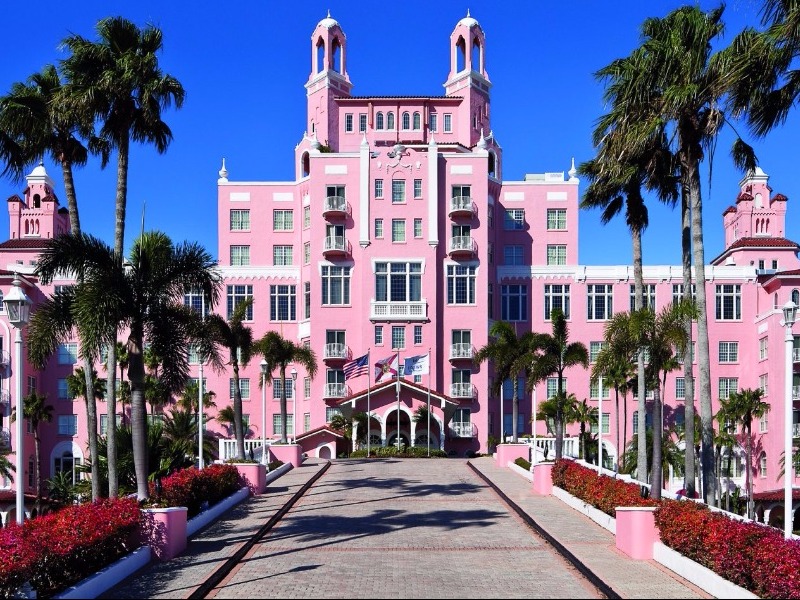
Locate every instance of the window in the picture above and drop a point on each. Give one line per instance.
(335, 285)
(379, 121)
(512, 255)
(594, 350)
(461, 284)
(649, 296)
(193, 354)
(277, 424)
(556, 297)
(507, 417)
(606, 424)
(236, 294)
(307, 387)
(418, 188)
(307, 299)
(552, 386)
(598, 389)
(417, 228)
(398, 282)
(432, 122)
(398, 191)
(67, 424)
(762, 466)
(680, 388)
(679, 356)
(514, 302)
(556, 219)
(378, 228)
(727, 385)
(282, 303)
(283, 220)
(240, 220)
(390, 120)
(600, 301)
(398, 337)
(330, 413)
(763, 346)
(490, 216)
(306, 422)
(282, 256)
(763, 383)
(490, 252)
(244, 387)
(417, 335)
(277, 389)
(677, 292)
(379, 335)
(795, 296)
(728, 352)
(240, 256)
(763, 423)
(490, 300)
(729, 302)
(379, 188)
(306, 217)
(192, 299)
(307, 253)
(416, 121)
(398, 230)
(104, 423)
(514, 219)
(362, 123)
(348, 123)
(406, 121)
(63, 390)
(31, 384)
(556, 254)
(68, 353)
(774, 265)
(448, 123)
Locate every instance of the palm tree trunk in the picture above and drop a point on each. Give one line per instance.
(72, 199)
(136, 377)
(616, 399)
(37, 447)
(749, 459)
(514, 411)
(238, 425)
(559, 420)
(111, 432)
(91, 426)
(690, 179)
(283, 405)
(638, 282)
(657, 478)
(621, 449)
(688, 368)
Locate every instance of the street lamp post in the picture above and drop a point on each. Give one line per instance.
(263, 411)
(200, 392)
(294, 405)
(17, 306)
(789, 317)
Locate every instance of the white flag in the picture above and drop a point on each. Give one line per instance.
(417, 365)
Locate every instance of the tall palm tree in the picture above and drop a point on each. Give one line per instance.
(555, 354)
(677, 81)
(585, 415)
(180, 431)
(76, 388)
(117, 79)
(36, 411)
(188, 399)
(741, 408)
(279, 352)
(670, 452)
(144, 299)
(511, 355)
(237, 339)
(564, 404)
(614, 365)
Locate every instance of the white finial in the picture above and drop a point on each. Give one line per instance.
(329, 13)
(223, 173)
(572, 172)
(364, 141)
(482, 141)
(315, 142)
(432, 141)
(468, 12)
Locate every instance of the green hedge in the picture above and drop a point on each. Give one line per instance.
(521, 462)
(391, 451)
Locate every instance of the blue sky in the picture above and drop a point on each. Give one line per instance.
(244, 63)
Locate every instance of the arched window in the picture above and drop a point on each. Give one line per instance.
(390, 120)
(461, 55)
(336, 55)
(775, 300)
(795, 297)
(492, 164)
(66, 463)
(476, 55)
(320, 55)
(406, 121)
(305, 164)
(762, 465)
(417, 122)
(37, 201)
(379, 121)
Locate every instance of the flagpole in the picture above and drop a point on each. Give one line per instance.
(369, 363)
(397, 392)
(429, 402)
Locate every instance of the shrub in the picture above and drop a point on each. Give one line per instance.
(191, 487)
(275, 464)
(521, 462)
(405, 452)
(59, 549)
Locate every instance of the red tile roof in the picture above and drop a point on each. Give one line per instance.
(399, 98)
(729, 209)
(319, 430)
(780, 197)
(743, 196)
(762, 242)
(24, 244)
(775, 495)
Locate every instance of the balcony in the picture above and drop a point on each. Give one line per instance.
(462, 430)
(336, 246)
(462, 390)
(334, 206)
(5, 438)
(461, 351)
(336, 390)
(462, 245)
(796, 355)
(462, 206)
(399, 311)
(336, 352)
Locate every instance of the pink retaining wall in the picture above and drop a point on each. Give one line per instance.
(288, 453)
(543, 478)
(164, 530)
(637, 531)
(510, 452)
(253, 475)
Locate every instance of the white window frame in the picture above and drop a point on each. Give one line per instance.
(508, 294)
(398, 191)
(417, 228)
(557, 254)
(556, 219)
(728, 352)
(68, 353)
(448, 123)
(282, 255)
(514, 219)
(335, 278)
(283, 219)
(728, 293)
(276, 295)
(461, 284)
(513, 254)
(726, 386)
(599, 292)
(763, 348)
(379, 228)
(236, 293)
(398, 337)
(398, 231)
(649, 296)
(379, 188)
(559, 292)
(348, 123)
(240, 219)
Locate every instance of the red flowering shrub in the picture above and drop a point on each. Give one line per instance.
(191, 487)
(603, 492)
(59, 549)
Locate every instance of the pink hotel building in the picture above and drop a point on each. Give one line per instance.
(399, 234)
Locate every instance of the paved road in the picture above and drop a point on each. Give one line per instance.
(402, 529)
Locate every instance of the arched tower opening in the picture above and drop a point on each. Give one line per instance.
(37, 201)
(492, 164)
(461, 55)
(320, 56)
(305, 165)
(336, 55)
(477, 55)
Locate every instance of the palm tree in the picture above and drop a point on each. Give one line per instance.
(36, 411)
(279, 352)
(674, 80)
(510, 355)
(76, 388)
(555, 354)
(585, 415)
(144, 298)
(564, 404)
(614, 365)
(188, 399)
(226, 418)
(671, 456)
(237, 339)
(155, 393)
(741, 408)
(180, 431)
(345, 426)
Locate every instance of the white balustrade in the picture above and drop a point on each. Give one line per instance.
(335, 390)
(335, 204)
(335, 351)
(227, 449)
(461, 351)
(405, 311)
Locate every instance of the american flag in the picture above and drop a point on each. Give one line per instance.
(356, 367)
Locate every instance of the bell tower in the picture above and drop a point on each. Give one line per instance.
(328, 80)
